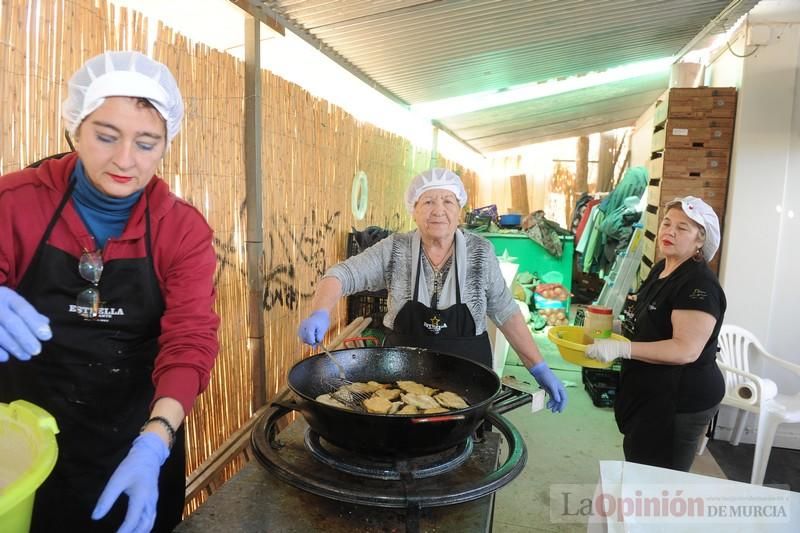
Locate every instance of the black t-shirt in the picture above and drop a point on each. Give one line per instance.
(685, 388)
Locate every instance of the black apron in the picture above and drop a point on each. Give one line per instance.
(94, 377)
(450, 330)
(645, 404)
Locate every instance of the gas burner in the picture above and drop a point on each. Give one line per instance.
(383, 468)
(441, 483)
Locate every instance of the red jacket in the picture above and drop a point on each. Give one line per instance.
(183, 256)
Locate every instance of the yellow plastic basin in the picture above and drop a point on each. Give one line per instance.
(28, 453)
(569, 340)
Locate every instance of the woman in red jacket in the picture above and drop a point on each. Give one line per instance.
(106, 302)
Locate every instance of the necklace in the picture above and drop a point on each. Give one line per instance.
(438, 273)
(438, 267)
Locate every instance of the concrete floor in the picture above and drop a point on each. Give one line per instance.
(562, 449)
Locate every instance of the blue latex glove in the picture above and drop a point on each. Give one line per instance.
(136, 476)
(21, 327)
(312, 330)
(552, 385)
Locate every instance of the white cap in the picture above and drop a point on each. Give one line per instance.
(435, 178)
(123, 74)
(704, 215)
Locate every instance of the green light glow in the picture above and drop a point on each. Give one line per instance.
(449, 107)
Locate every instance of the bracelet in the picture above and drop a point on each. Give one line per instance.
(165, 423)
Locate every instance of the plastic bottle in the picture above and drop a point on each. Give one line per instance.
(598, 323)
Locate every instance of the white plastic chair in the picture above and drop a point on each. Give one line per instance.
(740, 352)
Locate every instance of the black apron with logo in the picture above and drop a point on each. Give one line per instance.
(450, 330)
(94, 377)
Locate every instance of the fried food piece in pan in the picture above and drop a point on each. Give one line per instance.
(415, 388)
(389, 394)
(412, 386)
(363, 388)
(327, 399)
(377, 405)
(395, 407)
(435, 410)
(408, 410)
(451, 400)
(419, 400)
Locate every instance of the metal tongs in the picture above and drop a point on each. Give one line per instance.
(341, 387)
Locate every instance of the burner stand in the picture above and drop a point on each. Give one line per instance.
(291, 462)
(386, 468)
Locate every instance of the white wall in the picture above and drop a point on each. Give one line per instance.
(757, 253)
(760, 249)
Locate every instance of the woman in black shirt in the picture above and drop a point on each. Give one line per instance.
(670, 385)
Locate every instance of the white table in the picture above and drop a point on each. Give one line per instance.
(640, 498)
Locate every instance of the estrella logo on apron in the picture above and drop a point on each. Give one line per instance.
(436, 325)
(104, 314)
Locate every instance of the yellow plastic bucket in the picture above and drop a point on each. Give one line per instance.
(569, 340)
(28, 453)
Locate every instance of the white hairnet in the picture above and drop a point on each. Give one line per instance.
(435, 178)
(123, 74)
(703, 214)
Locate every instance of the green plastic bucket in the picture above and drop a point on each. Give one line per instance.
(28, 453)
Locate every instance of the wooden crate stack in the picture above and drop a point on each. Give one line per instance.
(691, 148)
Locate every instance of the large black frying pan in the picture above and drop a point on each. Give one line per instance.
(397, 435)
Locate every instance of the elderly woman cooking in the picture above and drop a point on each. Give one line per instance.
(670, 385)
(442, 283)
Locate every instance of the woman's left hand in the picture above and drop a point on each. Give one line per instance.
(136, 476)
(606, 350)
(552, 385)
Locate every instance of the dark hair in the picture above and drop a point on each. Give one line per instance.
(144, 102)
(677, 203)
(147, 104)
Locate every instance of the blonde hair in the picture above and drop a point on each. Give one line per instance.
(677, 203)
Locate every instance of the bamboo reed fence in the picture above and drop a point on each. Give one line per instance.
(311, 151)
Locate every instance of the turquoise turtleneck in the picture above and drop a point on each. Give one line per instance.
(105, 216)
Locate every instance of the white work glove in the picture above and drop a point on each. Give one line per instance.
(606, 350)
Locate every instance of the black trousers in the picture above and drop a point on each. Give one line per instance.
(667, 443)
(689, 430)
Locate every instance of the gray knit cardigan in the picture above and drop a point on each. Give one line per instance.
(388, 265)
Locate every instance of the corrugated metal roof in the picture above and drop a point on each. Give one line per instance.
(421, 51)
(580, 112)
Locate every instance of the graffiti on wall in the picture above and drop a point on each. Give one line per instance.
(293, 251)
(282, 286)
